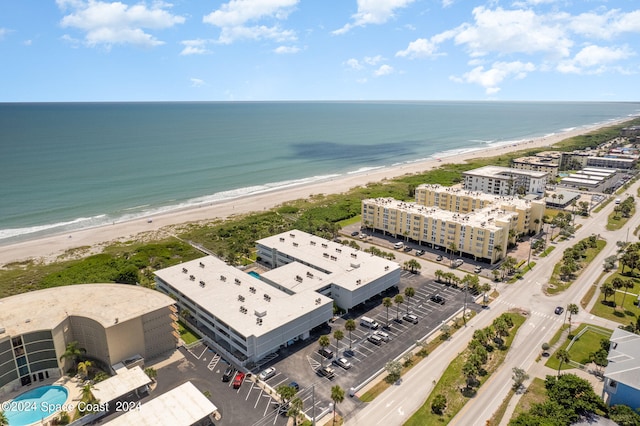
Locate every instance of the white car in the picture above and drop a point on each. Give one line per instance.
(343, 362)
(267, 374)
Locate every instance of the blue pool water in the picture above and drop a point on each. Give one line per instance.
(254, 274)
(35, 405)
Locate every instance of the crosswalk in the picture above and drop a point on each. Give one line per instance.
(536, 313)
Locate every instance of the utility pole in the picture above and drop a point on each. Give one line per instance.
(313, 408)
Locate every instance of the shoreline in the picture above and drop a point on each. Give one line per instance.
(91, 240)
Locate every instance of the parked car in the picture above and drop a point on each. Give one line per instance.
(228, 374)
(354, 233)
(327, 372)
(343, 362)
(458, 262)
(363, 236)
(419, 252)
(439, 257)
(376, 340)
(327, 353)
(384, 336)
(407, 249)
(237, 381)
(267, 374)
(411, 318)
(398, 245)
(477, 269)
(295, 385)
(436, 298)
(559, 310)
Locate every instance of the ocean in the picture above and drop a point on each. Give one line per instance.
(69, 166)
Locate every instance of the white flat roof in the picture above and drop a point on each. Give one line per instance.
(238, 298)
(347, 267)
(479, 195)
(297, 277)
(600, 170)
(503, 172)
(181, 406)
(125, 381)
(46, 309)
(587, 176)
(482, 218)
(583, 181)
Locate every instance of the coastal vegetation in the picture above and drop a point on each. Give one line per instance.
(234, 239)
(573, 260)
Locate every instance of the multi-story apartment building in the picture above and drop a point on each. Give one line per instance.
(455, 199)
(481, 234)
(505, 181)
(537, 164)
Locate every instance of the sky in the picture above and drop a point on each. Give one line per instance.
(260, 50)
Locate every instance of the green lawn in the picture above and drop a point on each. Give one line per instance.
(587, 343)
(536, 394)
(559, 285)
(453, 380)
(628, 312)
(186, 334)
(617, 221)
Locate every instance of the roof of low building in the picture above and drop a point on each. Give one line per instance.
(503, 172)
(624, 358)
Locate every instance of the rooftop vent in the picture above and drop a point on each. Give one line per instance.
(201, 265)
(298, 278)
(354, 255)
(202, 284)
(192, 277)
(318, 301)
(241, 298)
(292, 235)
(324, 245)
(338, 250)
(237, 281)
(313, 243)
(309, 275)
(386, 268)
(223, 278)
(358, 282)
(259, 321)
(267, 297)
(295, 244)
(185, 270)
(355, 265)
(325, 254)
(252, 290)
(260, 314)
(282, 239)
(334, 258)
(243, 309)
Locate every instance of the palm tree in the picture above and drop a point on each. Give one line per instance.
(296, 406)
(3, 419)
(573, 309)
(617, 284)
(563, 356)
(607, 290)
(73, 352)
(337, 395)
(409, 292)
(83, 368)
(627, 285)
(399, 301)
(350, 326)
(338, 335)
(387, 303)
(439, 274)
(323, 341)
(452, 248)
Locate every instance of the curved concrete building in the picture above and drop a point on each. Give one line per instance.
(112, 322)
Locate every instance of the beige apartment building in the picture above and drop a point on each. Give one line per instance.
(482, 234)
(536, 164)
(456, 199)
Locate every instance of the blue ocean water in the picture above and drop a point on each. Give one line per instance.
(67, 166)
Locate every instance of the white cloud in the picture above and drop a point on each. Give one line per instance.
(353, 64)
(3, 32)
(491, 78)
(605, 26)
(447, 3)
(419, 48)
(232, 18)
(372, 60)
(109, 23)
(286, 49)
(28, 42)
(194, 47)
(383, 70)
(373, 12)
(594, 59)
(514, 31)
(196, 82)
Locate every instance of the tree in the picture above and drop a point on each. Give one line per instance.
(446, 331)
(412, 265)
(519, 376)
(610, 263)
(617, 284)
(129, 275)
(3, 419)
(324, 342)
(439, 274)
(573, 309)
(470, 369)
(286, 393)
(84, 367)
(627, 285)
(394, 369)
(73, 352)
(387, 303)
(296, 406)
(350, 326)
(399, 301)
(439, 404)
(607, 290)
(337, 395)
(623, 415)
(338, 335)
(563, 356)
(485, 288)
(574, 393)
(151, 373)
(409, 292)
(452, 248)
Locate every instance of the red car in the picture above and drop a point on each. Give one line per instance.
(237, 381)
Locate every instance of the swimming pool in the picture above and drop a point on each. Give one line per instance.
(254, 274)
(35, 405)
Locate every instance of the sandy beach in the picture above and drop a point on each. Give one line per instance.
(50, 248)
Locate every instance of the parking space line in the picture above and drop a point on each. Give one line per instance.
(257, 399)
(280, 382)
(253, 385)
(214, 361)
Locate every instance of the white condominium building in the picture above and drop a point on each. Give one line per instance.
(505, 181)
(456, 199)
(481, 234)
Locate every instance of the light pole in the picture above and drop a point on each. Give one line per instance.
(464, 306)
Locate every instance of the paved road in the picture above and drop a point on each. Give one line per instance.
(397, 404)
